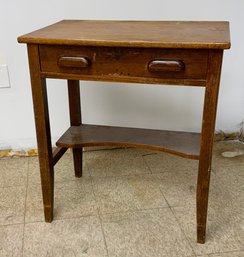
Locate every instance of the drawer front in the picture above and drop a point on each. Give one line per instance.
(124, 62)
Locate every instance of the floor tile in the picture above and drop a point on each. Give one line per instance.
(164, 162)
(64, 169)
(229, 254)
(71, 199)
(13, 172)
(178, 186)
(68, 238)
(130, 199)
(12, 205)
(225, 229)
(227, 187)
(11, 240)
(116, 194)
(116, 162)
(177, 176)
(151, 233)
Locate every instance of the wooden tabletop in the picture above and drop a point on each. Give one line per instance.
(162, 34)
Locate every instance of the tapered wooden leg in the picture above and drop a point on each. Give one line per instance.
(77, 158)
(75, 120)
(207, 135)
(43, 134)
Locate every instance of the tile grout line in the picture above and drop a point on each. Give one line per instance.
(183, 232)
(159, 187)
(170, 207)
(104, 238)
(11, 224)
(145, 162)
(61, 219)
(153, 176)
(27, 180)
(187, 240)
(11, 186)
(133, 211)
(121, 176)
(100, 220)
(235, 251)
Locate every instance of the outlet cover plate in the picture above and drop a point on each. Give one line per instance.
(4, 76)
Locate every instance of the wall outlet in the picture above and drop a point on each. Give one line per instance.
(4, 76)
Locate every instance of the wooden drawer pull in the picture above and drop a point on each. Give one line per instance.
(166, 65)
(74, 62)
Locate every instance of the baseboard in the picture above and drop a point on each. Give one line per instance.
(34, 152)
(11, 153)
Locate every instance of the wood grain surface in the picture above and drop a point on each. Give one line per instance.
(124, 62)
(184, 144)
(162, 34)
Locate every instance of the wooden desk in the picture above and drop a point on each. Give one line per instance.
(152, 52)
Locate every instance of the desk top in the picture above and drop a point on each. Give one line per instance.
(161, 34)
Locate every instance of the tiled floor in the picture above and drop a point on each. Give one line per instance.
(129, 203)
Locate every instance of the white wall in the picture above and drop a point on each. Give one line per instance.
(118, 104)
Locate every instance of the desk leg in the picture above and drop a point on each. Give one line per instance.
(43, 134)
(75, 120)
(208, 126)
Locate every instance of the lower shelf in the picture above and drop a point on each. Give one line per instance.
(185, 144)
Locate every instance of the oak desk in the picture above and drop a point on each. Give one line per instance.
(152, 52)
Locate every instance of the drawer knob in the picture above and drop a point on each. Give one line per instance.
(166, 65)
(74, 62)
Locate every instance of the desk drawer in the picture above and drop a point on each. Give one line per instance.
(102, 62)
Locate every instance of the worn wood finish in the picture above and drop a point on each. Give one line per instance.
(117, 62)
(129, 79)
(43, 134)
(184, 144)
(75, 120)
(207, 135)
(174, 53)
(162, 34)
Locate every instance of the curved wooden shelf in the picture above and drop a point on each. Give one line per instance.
(185, 144)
